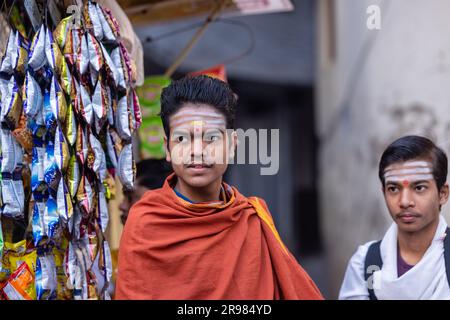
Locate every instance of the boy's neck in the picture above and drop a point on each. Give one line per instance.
(204, 194)
(413, 245)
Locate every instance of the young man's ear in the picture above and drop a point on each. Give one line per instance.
(233, 145)
(443, 194)
(166, 147)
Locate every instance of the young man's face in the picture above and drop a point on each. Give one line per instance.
(199, 146)
(412, 196)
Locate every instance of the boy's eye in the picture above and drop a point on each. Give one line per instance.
(180, 138)
(420, 188)
(212, 138)
(392, 189)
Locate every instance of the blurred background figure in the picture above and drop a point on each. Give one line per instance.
(150, 174)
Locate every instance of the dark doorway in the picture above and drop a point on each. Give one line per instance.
(291, 194)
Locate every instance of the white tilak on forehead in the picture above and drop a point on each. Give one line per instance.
(410, 171)
(188, 113)
(413, 164)
(197, 121)
(409, 178)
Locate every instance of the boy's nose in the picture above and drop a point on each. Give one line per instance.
(197, 149)
(406, 199)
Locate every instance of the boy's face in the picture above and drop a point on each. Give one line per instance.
(412, 196)
(199, 147)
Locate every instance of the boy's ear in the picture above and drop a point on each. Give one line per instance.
(233, 145)
(443, 194)
(166, 147)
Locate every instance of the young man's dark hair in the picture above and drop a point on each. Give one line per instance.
(198, 90)
(415, 147)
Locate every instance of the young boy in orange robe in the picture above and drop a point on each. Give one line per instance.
(198, 237)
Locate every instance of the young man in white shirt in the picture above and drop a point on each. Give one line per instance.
(410, 261)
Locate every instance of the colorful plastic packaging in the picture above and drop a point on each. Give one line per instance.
(46, 282)
(37, 57)
(20, 286)
(32, 99)
(11, 105)
(126, 168)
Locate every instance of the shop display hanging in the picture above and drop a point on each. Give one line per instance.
(68, 110)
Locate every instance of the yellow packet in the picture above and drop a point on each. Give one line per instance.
(19, 254)
(62, 292)
(62, 31)
(5, 270)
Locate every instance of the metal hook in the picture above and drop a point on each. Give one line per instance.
(10, 9)
(252, 40)
(3, 6)
(46, 15)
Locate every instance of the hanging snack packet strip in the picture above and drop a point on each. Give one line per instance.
(11, 105)
(37, 57)
(46, 283)
(126, 169)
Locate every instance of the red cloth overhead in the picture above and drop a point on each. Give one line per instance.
(172, 249)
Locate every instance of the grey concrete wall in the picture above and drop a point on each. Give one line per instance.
(376, 86)
(282, 45)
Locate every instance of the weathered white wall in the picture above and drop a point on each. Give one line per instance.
(381, 85)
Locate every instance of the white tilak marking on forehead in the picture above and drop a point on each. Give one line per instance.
(412, 164)
(197, 113)
(410, 178)
(419, 170)
(199, 120)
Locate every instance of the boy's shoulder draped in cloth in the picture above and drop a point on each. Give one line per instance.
(173, 249)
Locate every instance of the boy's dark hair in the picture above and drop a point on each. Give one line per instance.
(199, 89)
(151, 173)
(415, 147)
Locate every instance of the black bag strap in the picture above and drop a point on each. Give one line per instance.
(373, 258)
(447, 254)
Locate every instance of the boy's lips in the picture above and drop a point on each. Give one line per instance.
(408, 216)
(199, 166)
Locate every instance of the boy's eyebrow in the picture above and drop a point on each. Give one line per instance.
(395, 183)
(180, 131)
(420, 181)
(215, 130)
